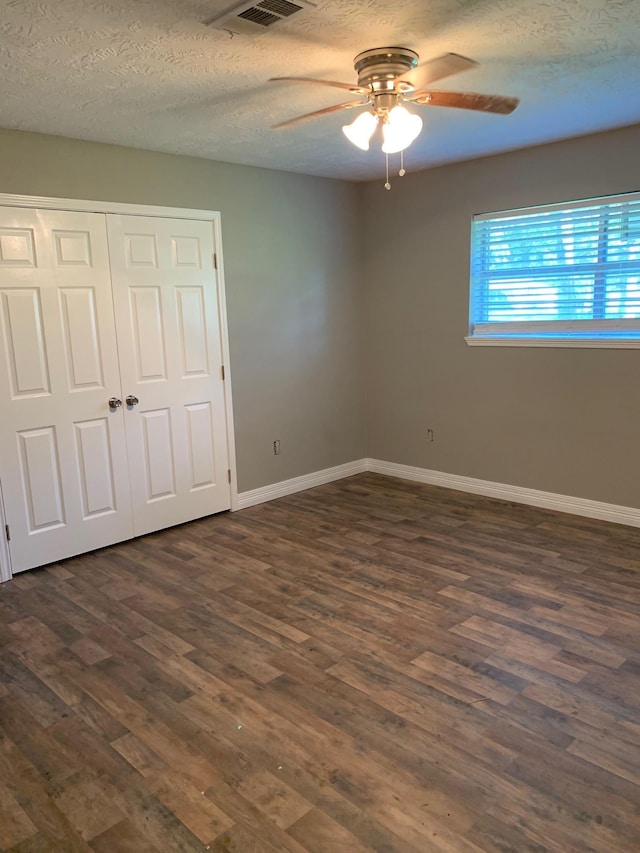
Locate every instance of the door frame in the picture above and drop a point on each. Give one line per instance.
(5, 556)
(106, 207)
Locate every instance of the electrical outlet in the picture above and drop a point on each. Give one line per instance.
(276, 448)
(429, 435)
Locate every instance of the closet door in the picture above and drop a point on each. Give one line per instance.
(63, 464)
(165, 294)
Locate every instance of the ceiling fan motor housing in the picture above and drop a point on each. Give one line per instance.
(379, 67)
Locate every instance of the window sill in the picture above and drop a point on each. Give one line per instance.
(581, 343)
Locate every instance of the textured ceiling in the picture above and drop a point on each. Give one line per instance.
(148, 74)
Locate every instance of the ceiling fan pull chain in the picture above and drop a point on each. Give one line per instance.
(387, 185)
(402, 172)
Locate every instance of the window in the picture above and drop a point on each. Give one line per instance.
(559, 275)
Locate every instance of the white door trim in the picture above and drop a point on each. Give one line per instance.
(87, 206)
(5, 557)
(224, 333)
(105, 207)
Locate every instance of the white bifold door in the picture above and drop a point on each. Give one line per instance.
(112, 418)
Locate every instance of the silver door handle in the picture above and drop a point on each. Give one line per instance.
(132, 400)
(114, 402)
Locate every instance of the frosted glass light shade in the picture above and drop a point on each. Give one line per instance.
(400, 130)
(361, 130)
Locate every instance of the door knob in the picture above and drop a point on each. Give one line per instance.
(114, 402)
(131, 400)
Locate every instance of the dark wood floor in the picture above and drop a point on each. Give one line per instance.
(373, 665)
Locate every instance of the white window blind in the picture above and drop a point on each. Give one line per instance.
(561, 271)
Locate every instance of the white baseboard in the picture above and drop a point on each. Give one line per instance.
(516, 494)
(299, 484)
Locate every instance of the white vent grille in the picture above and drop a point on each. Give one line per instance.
(256, 17)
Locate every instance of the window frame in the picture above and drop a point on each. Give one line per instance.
(616, 333)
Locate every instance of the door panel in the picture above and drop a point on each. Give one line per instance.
(167, 317)
(25, 347)
(159, 463)
(41, 481)
(147, 328)
(201, 450)
(192, 331)
(81, 338)
(17, 247)
(95, 466)
(63, 460)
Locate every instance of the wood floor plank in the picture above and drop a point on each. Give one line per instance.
(15, 825)
(123, 837)
(274, 798)
(372, 666)
(320, 834)
(87, 805)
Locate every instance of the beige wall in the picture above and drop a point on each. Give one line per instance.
(292, 269)
(560, 420)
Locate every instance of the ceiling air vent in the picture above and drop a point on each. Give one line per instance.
(251, 18)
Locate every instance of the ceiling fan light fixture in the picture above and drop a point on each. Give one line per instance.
(400, 130)
(361, 129)
(389, 76)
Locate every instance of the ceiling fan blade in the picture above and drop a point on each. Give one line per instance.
(466, 101)
(437, 69)
(323, 112)
(350, 87)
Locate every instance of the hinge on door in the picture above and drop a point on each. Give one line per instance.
(229, 474)
(215, 260)
(8, 532)
(222, 371)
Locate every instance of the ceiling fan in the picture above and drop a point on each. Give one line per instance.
(388, 78)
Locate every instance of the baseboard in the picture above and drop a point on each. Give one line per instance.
(516, 494)
(299, 484)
